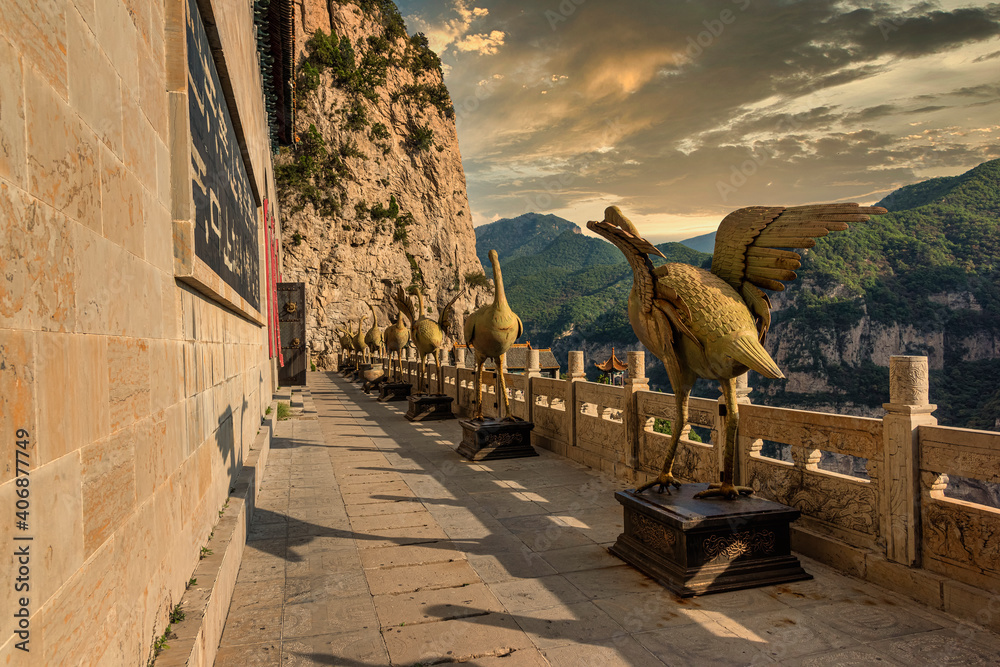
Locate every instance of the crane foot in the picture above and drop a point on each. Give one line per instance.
(724, 490)
(665, 481)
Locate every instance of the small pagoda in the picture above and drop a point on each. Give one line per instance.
(613, 367)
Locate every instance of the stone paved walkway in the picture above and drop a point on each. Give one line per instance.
(375, 544)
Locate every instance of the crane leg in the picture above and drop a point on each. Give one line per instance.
(726, 489)
(666, 478)
(503, 388)
(437, 370)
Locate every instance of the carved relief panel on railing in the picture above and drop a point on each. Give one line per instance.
(831, 503)
(694, 461)
(958, 534)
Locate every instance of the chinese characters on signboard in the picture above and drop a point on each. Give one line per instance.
(225, 210)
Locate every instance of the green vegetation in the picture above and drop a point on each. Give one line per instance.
(474, 279)
(177, 614)
(311, 173)
(416, 275)
(284, 411)
(429, 94)
(399, 233)
(419, 56)
(419, 138)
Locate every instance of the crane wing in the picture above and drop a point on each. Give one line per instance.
(751, 247)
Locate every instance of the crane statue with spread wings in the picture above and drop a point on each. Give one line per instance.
(712, 324)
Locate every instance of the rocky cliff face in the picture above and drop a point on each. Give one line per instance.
(373, 192)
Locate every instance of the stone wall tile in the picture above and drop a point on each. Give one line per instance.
(37, 284)
(17, 400)
(158, 235)
(163, 177)
(109, 495)
(62, 155)
(58, 523)
(94, 85)
(101, 291)
(161, 454)
(144, 290)
(153, 91)
(72, 393)
(37, 28)
(13, 160)
(166, 373)
(122, 205)
(129, 386)
(117, 36)
(170, 303)
(82, 618)
(88, 11)
(140, 147)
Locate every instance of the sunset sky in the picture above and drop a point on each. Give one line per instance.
(680, 112)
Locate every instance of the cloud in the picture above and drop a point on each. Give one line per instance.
(824, 98)
(455, 32)
(483, 44)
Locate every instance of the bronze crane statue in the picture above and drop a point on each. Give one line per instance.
(373, 339)
(712, 324)
(358, 342)
(491, 330)
(397, 337)
(427, 335)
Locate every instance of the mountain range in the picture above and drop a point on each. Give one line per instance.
(922, 279)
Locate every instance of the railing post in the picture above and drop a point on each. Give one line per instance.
(534, 370)
(743, 390)
(908, 409)
(635, 381)
(574, 374)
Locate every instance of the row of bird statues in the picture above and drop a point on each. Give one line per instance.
(700, 323)
(490, 331)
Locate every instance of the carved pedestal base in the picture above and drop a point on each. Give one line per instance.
(489, 440)
(394, 391)
(372, 373)
(694, 547)
(429, 407)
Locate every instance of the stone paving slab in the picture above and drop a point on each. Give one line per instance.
(373, 543)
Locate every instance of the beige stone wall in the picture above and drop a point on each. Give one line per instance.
(141, 396)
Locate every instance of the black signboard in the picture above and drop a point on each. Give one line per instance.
(225, 211)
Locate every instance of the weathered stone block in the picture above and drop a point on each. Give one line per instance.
(830, 551)
(57, 519)
(17, 398)
(72, 393)
(140, 146)
(37, 28)
(108, 473)
(122, 205)
(62, 155)
(36, 250)
(94, 85)
(117, 35)
(128, 380)
(13, 160)
(101, 305)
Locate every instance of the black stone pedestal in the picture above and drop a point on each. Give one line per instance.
(394, 391)
(359, 372)
(371, 385)
(694, 547)
(491, 440)
(429, 407)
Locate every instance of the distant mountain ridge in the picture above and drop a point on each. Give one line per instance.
(527, 234)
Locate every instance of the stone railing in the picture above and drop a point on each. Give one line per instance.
(882, 512)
